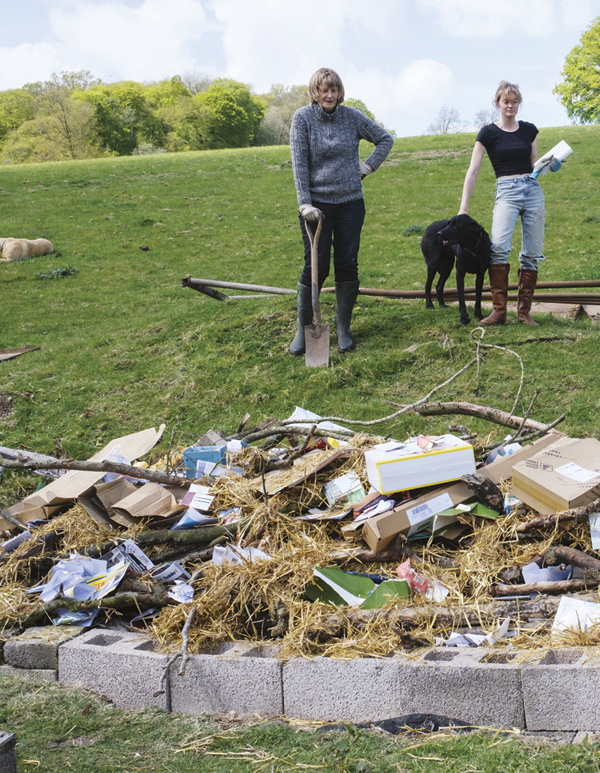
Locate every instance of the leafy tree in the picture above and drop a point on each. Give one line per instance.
(16, 107)
(187, 125)
(231, 126)
(282, 102)
(358, 104)
(579, 91)
(253, 106)
(196, 83)
(166, 92)
(447, 122)
(71, 81)
(124, 116)
(63, 129)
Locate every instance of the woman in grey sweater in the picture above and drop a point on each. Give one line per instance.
(324, 141)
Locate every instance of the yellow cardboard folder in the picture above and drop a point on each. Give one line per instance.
(395, 466)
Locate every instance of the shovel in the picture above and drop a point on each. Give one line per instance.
(316, 336)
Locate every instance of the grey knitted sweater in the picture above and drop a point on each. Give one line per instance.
(325, 152)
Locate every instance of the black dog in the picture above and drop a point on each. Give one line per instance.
(463, 238)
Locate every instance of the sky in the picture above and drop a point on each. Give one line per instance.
(405, 59)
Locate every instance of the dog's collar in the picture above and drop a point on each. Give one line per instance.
(472, 249)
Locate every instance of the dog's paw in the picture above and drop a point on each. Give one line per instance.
(429, 305)
(464, 320)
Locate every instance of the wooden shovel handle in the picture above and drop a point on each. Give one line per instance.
(314, 266)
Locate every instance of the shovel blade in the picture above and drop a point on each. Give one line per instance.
(316, 339)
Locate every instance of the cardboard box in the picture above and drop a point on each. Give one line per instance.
(395, 466)
(379, 531)
(411, 517)
(564, 475)
(502, 468)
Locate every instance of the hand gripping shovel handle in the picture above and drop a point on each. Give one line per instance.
(314, 266)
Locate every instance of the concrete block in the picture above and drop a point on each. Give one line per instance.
(477, 686)
(560, 691)
(122, 666)
(237, 677)
(8, 756)
(29, 674)
(357, 690)
(37, 648)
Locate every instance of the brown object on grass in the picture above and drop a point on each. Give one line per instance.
(19, 249)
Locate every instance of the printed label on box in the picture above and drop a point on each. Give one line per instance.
(575, 472)
(428, 509)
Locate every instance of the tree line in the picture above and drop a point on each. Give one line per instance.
(74, 116)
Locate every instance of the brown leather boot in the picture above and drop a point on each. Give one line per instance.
(527, 283)
(499, 286)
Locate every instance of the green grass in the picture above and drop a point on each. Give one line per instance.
(124, 346)
(58, 729)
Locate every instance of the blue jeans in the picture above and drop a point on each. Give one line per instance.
(341, 228)
(518, 197)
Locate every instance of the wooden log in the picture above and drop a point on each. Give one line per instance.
(195, 284)
(185, 538)
(12, 520)
(42, 543)
(19, 454)
(406, 617)
(559, 587)
(555, 519)
(486, 412)
(131, 600)
(563, 554)
(155, 476)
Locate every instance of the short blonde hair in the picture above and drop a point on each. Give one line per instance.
(505, 88)
(325, 77)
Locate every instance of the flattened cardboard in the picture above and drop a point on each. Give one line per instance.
(31, 511)
(114, 491)
(562, 476)
(304, 469)
(77, 482)
(95, 511)
(149, 501)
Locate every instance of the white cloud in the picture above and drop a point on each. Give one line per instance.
(279, 42)
(405, 101)
(112, 40)
(285, 43)
(32, 62)
(474, 18)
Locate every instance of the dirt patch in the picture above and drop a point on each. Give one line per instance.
(6, 406)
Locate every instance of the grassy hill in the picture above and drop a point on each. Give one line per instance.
(124, 346)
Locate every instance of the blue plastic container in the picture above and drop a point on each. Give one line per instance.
(215, 454)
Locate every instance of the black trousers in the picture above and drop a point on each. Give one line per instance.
(342, 227)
